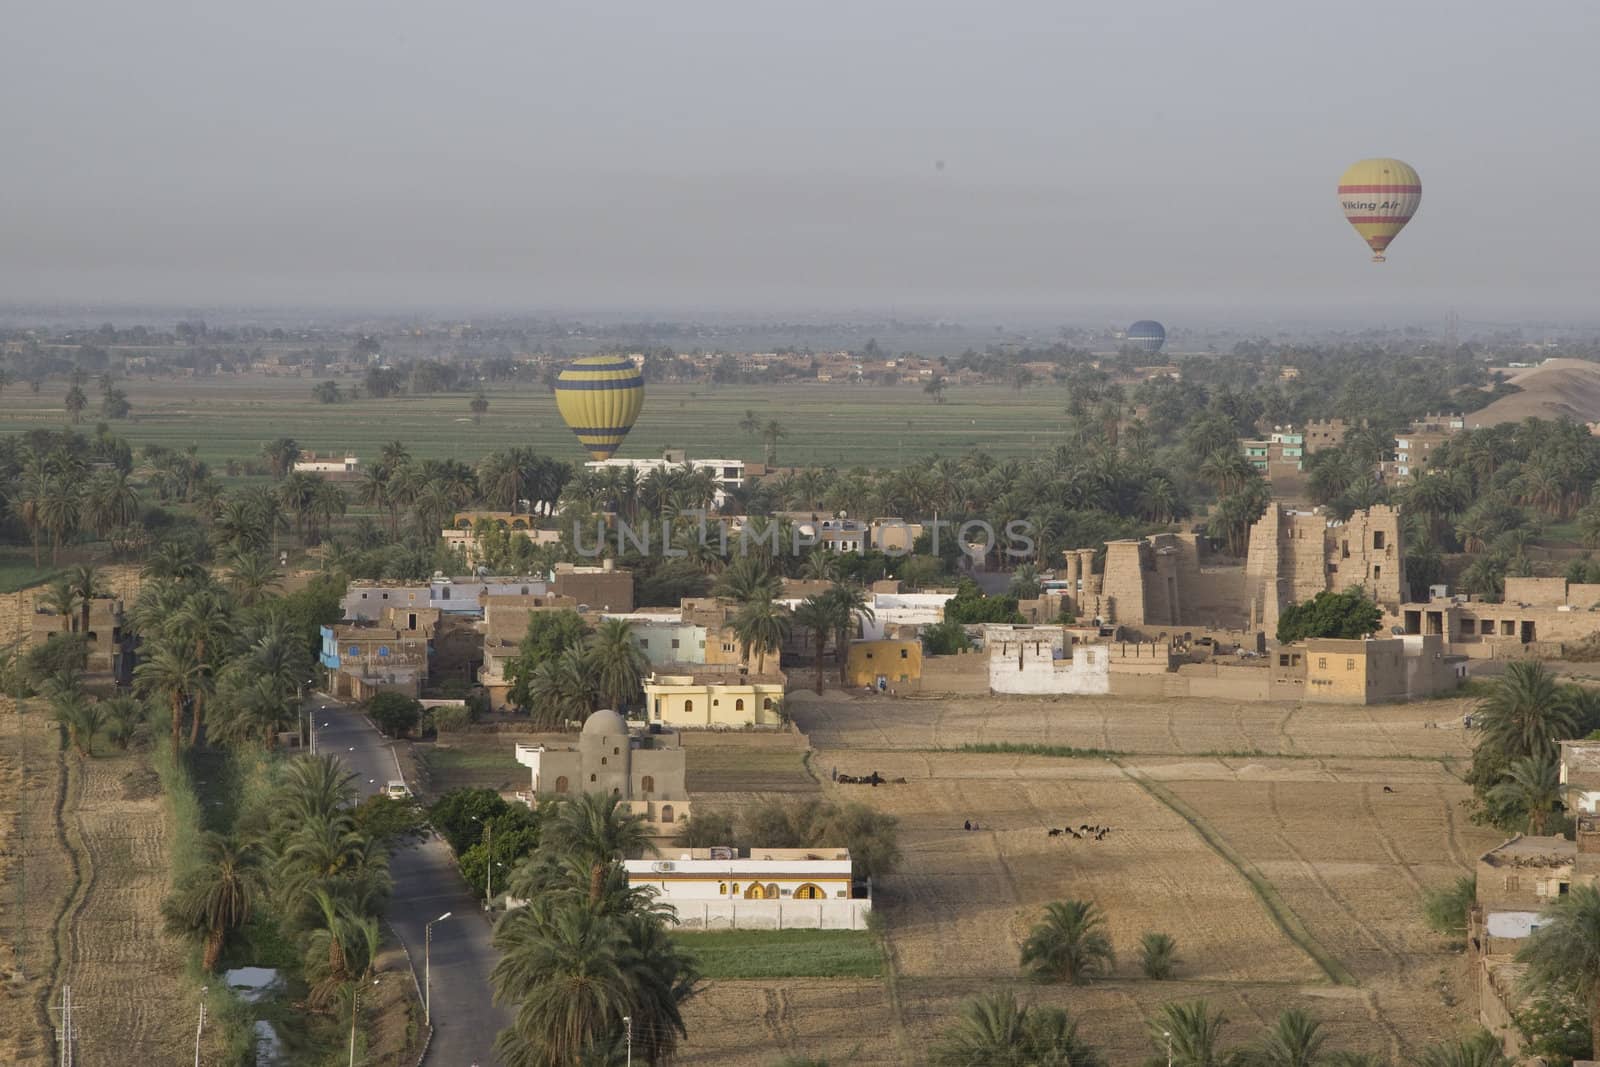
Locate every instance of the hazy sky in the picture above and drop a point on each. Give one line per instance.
(537, 154)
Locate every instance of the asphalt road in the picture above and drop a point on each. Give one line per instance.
(426, 885)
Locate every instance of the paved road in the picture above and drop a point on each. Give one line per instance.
(426, 885)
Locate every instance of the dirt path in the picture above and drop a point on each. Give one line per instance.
(129, 994)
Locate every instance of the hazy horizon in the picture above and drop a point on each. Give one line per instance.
(718, 158)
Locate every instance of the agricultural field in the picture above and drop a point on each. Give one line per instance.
(230, 418)
(1260, 837)
(784, 953)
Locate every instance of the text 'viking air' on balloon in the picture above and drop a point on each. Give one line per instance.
(1378, 197)
(599, 398)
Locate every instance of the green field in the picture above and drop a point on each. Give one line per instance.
(784, 953)
(230, 417)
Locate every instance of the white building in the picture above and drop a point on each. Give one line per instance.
(903, 609)
(776, 888)
(727, 473)
(1580, 774)
(315, 464)
(1037, 660)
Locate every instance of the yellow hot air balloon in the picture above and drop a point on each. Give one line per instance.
(599, 398)
(1379, 196)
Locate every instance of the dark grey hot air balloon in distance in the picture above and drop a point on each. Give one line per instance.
(1147, 335)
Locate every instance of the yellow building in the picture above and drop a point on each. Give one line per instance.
(714, 699)
(884, 665)
(1375, 670)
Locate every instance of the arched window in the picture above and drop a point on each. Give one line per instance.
(810, 892)
(766, 703)
(666, 813)
(738, 705)
(722, 887)
(755, 892)
(591, 778)
(772, 891)
(602, 761)
(647, 784)
(561, 784)
(616, 751)
(734, 889)
(688, 705)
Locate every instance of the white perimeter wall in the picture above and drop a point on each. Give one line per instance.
(1041, 676)
(773, 914)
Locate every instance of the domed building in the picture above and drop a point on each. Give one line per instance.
(645, 769)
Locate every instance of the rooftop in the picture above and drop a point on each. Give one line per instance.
(1522, 851)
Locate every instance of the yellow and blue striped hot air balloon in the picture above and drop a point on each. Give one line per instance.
(599, 398)
(1379, 196)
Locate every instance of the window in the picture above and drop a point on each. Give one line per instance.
(647, 784)
(688, 705)
(1377, 539)
(602, 761)
(1349, 664)
(734, 888)
(869, 655)
(1377, 572)
(666, 813)
(444, 594)
(1322, 663)
(810, 892)
(591, 778)
(722, 887)
(1513, 882)
(674, 642)
(905, 653)
(644, 642)
(766, 703)
(616, 751)
(524, 590)
(561, 784)
(738, 705)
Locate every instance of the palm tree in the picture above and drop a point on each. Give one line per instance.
(62, 600)
(340, 949)
(569, 972)
(253, 577)
(748, 578)
(761, 626)
(1194, 1033)
(1295, 1040)
(296, 494)
(561, 690)
(821, 565)
(1566, 949)
(750, 425)
(771, 433)
(83, 718)
(217, 896)
(1482, 1049)
(205, 620)
(27, 501)
(616, 663)
(1527, 713)
(1068, 945)
(597, 830)
(1158, 955)
(280, 454)
(124, 714)
(816, 616)
(1532, 785)
(172, 670)
(109, 502)
(848, 606)
(76, 401)
(995, 1029)
(85, 583)
(59, 510)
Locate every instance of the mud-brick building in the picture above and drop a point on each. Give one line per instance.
(110, 644)
(645, 770)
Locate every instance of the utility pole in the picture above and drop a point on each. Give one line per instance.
(627, 1021)
(1168, 1035)
(427, 968)
(65, 1038)
(488, 833)
(355, 1011)
(201, 1028)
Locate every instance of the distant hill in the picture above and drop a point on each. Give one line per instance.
(1557, 388)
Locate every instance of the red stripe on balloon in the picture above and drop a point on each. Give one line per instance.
(1378, 218)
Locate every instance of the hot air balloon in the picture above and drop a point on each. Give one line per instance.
(599, 398)
(1379, 196)
(1147, 335)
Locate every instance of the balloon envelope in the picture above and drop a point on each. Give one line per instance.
(1378, 197)
(1147, 335)
(599, 398)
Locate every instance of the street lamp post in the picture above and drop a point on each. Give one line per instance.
(1168, 1035)
(488, 841)
(427, 969)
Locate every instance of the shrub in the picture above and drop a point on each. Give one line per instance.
(1445, 908)
(395, 714)
(1158, 955)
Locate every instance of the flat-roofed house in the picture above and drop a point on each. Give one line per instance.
(756, 888)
